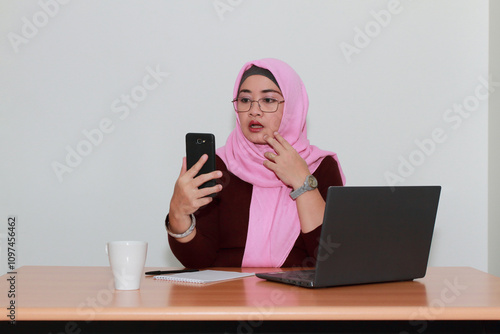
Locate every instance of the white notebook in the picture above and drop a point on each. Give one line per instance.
(203, 276)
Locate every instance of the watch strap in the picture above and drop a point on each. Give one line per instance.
(304, 188)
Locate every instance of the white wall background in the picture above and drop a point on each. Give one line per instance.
(494, 146)
(67, 69)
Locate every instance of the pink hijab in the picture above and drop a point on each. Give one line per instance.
(274, 223)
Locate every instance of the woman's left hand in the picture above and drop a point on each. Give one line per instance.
(286, 163)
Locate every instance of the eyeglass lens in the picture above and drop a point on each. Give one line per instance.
(265, 105)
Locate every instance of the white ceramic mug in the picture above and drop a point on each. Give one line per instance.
(127, 259)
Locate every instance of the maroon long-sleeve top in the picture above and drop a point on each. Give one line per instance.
(222, 225)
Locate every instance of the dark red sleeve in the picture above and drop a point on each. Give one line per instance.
(221, 227)
(304, 251)
(201, 251)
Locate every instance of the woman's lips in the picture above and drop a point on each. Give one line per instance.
(255, 126)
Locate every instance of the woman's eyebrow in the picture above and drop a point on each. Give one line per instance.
(271, 91)
(262, 91)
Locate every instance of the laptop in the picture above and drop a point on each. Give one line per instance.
(370, 235)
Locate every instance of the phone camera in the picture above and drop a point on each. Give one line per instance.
(199, 141)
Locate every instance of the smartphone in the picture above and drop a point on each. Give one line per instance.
(198, 144)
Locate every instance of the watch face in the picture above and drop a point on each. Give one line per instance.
(311, 180)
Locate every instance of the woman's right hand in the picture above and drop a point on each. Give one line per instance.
(187, 198)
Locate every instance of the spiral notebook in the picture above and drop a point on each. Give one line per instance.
(203, 276)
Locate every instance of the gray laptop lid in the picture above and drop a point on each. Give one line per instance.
(376, 234)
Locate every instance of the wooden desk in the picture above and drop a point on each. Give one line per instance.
(86, 295)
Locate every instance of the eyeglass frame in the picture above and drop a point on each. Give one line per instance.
(258, 103)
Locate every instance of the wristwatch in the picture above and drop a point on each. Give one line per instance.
(310, 184)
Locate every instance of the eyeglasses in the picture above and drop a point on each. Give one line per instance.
(244, 104)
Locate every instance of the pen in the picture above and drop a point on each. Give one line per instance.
(164, 272)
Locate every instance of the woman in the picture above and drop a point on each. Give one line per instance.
(270, 210)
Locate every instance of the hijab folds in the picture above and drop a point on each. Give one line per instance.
(273, 224)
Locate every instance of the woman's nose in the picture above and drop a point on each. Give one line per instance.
(255, 109)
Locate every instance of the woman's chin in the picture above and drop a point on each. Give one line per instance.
(256, 138)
